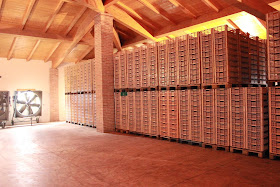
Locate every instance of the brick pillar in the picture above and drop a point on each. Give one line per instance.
(104, 72)
(54, 101)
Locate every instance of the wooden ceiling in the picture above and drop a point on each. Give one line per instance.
(62, 30)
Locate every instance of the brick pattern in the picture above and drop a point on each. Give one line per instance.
(104, 72)
(54, 98)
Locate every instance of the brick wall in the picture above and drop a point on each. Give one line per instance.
(54, 101)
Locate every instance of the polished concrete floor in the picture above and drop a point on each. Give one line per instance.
(69, 155)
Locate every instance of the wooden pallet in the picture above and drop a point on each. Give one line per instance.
(273, 156)
(169, 139)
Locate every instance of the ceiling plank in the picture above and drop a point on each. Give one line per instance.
(257, 8)
(183, 8)
(117, 41)
(191, 22)
(128, 35)
(129, 10)
(83, 3)
(233, 24)
(125, 19)
(84, 27)
(212, 4)
(108, 3)
(28, 12)
(57, 9)
(52, 51)
(33, 50)
(11, 51)
(34, 35)
(2, 2)
(75, 20)
(85, 53)
(156, 10)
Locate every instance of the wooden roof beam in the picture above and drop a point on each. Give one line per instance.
(233, 24)
(57, 9)
(155, 10)
(11, 51)
(183, 8)
(27, 12)
(98, 4)
(85, 53)
(117, 41)
(212, 4)
(33, 50)
(125, 19)
(83, 29)
(257, 8)
(52, 51)
(108, 3)
(75, 20)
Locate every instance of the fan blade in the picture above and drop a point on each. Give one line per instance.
(26, 97)
(22, 109)
(1, 113)
(35, 105)
(34, 97)
(21, 102)
(30, 111)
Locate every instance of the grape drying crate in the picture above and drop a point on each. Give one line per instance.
(4, 107)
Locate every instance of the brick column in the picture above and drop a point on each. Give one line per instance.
(104, 72)
(54, 101)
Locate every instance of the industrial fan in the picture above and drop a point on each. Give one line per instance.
(4, 108)
(27, 104)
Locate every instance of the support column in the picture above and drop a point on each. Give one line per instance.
(104, 72)
(54, 98)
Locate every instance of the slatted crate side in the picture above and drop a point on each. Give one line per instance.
(262, 62)
(172, 61)
(163, 63)
(91, 114)
(67, 106)
(225, 57)
(79, 109)
(93, 74)
(124, 114)
(238, 117)
(207, 57)
(163, 113)
(123, 69)
(131, 112)
(183, 75)
(146, 122)
(95, 109)
(117, 71)
(273, 34)
(137, 71)
(86, 108)
(145, 67)
(154, 109)
(173, 121)
(138, 112)
(222, 116)
(82, 103)
(130, 69)
(254, 58)
(194, 59)
(153, 65)
(195, 114)
(118, 117)
(257, 119)
(208, 116)
(245, 63)
(86, 77)
(90, 75)
(184, 125)
(274, 120)
(66, 79)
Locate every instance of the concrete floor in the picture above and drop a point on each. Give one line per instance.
(70, 155)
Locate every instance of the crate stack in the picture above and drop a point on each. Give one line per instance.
(80, 94)
(273, 36)
(194, 59)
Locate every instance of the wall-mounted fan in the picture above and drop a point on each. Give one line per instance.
(4, 108)
(28, 104)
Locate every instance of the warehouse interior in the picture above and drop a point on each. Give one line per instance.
(139, 92)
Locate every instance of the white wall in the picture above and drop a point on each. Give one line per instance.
(19, 74)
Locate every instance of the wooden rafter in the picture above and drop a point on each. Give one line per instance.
(33, 50)
(125, 19)
(124, 33)
(262, 22)
(83, 3)
(212, 4)
(75, 20)
(84, 27)
(117, 41)
(11, 51)
(183, 8)
(108, 3)
(52, 51)
(27, 12)
(257, 8)
(98, 4)
(57, 9)
(155, 10)
(2, 2)
(233, 24)
(85, 53)
(34, 35)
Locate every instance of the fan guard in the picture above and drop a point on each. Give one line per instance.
(28, 103)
